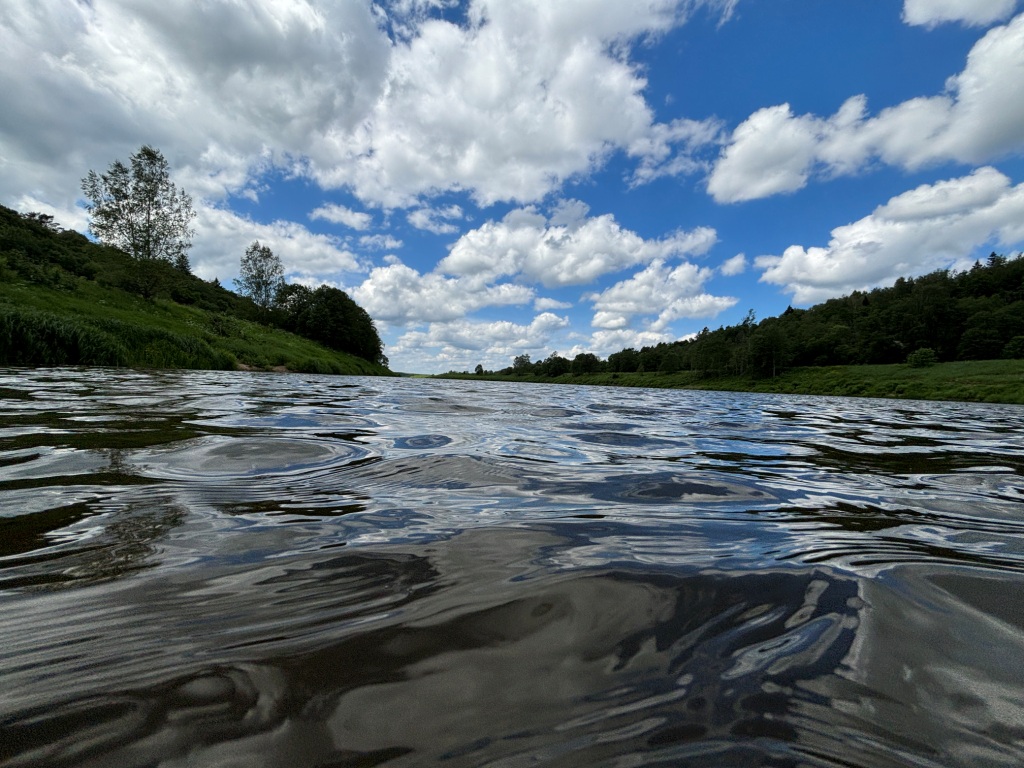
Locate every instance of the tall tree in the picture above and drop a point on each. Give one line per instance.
(261, 275)
(139, 210)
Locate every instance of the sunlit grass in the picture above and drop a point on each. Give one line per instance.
(95, 325)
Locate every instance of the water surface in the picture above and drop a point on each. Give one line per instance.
(210, 569)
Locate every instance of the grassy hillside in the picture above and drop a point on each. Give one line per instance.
(66, 301)
(992, 381)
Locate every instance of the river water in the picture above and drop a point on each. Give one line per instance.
(217, 569)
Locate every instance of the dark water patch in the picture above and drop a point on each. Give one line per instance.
(658, 488)
(623, 439)
(33, 531)
(630, 660)
(555, 413)
(82, 544)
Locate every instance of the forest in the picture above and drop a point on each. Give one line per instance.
(944, 316)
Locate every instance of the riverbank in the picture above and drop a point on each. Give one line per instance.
(987, 381)
(97, 325)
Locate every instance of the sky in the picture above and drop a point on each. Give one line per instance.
(492, 178)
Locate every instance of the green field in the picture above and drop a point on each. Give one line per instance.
(86, 323)
(990, 381)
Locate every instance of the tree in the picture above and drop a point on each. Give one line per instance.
(139, 210)
(585, 362)
(479, 370)
(521, 364)
(555, 365)
(328, 315)
(261, 275)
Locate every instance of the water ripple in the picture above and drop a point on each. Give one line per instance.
(203, 568)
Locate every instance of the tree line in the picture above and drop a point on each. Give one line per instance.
(944, 316)
(144, 226)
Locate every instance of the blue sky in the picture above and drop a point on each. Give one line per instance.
(499, 177)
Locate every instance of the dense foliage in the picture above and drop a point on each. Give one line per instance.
(37, 257)
(944, 316)
(329, 316)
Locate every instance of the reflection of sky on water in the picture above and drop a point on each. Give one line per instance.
(202, 567)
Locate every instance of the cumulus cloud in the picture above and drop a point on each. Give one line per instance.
(436, 220)
(673, 149)
(770, 152)
(668, 292)
(979, 118)
(340, 214)
(461, 344)
(929, 13)
(737, 265)
(165, 72)
(506, 105)
(525, 243)
(380, 242)
(226, 235)
(399, 295)
(927, 228)
(605, 342)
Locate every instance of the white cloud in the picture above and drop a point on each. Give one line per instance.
(462, 344)
(380, 242)
(164, 72)
(669, 293)
(605, 342)
(927, 228)
(541, 304)
(66, 218)
(979, 118)
(436, 220)
(506, 106)
(929, 13)
(339, 214)
(397, 294)
(526, 244)
(222, 237)
(737, 265)
(672, 149)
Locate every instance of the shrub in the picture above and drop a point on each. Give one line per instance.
(922, 358)
(1014, 349)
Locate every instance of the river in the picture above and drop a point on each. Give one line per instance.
(233, 569)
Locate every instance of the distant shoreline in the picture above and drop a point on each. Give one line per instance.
(985, 381)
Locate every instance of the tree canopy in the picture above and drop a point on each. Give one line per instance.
(330, 316)
(261, 275)
(138, 209)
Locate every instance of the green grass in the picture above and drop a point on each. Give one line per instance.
(991, 381)
(85, 323)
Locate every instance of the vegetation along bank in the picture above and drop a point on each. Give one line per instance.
(943, 336)
(131, 300)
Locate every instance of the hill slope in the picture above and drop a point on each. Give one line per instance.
(67, 301)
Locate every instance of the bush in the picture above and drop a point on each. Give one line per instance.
(1014, 349)
(32, 338)
(922, 358)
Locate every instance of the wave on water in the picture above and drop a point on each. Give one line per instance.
(217, 569)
